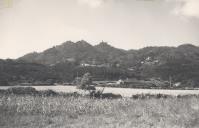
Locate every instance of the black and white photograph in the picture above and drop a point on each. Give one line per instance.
(99, 63)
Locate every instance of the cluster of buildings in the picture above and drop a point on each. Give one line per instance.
(94, 63)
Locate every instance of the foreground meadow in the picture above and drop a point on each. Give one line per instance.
(26, 111)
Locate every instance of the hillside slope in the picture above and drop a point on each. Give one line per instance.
(181, 64)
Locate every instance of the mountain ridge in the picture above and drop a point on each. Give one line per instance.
(80, 50)
(63, 62)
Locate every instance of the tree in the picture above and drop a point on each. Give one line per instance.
(86, 82)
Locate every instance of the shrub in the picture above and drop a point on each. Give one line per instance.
(148, 96)
(48, 93)
(102, 95)
(22, 90)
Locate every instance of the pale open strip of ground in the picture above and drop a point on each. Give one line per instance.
(125, 92)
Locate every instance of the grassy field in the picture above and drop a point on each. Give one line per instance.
(27, 111)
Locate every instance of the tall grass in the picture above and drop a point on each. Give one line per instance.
(60, 111)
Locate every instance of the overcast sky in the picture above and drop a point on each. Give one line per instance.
(35, 25)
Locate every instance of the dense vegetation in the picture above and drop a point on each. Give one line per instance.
(63, 63)
(13, 72)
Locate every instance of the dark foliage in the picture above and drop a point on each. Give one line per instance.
(62, 64)
(12, 71)
(100, 95)
(22, 91)
(32, 91)
(147, 96)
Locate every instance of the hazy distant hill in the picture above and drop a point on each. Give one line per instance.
(103, 52)
(111, 53)
(181, 64)
(79, 51)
